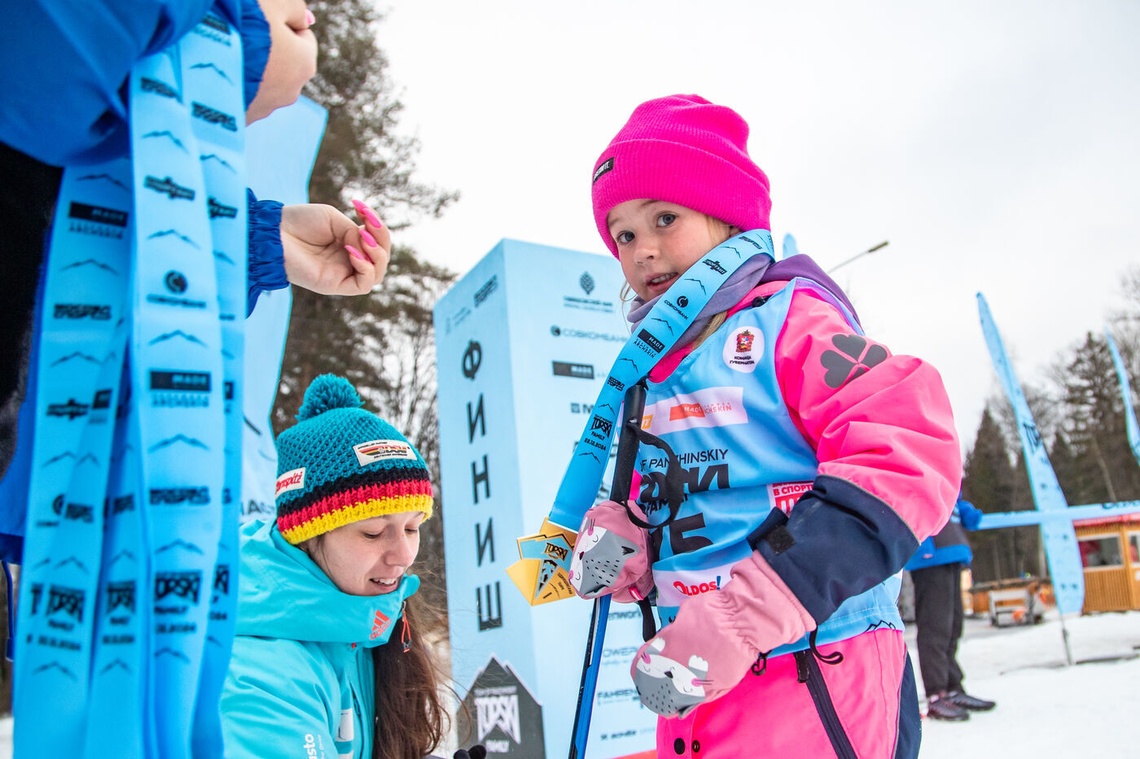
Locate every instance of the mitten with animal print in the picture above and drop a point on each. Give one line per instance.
(610, 555)
(717, 638)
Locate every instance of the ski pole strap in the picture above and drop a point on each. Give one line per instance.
(656, 335)
(674, 479)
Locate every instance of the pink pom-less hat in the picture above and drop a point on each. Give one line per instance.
(683, 149)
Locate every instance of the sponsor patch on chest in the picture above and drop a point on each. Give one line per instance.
(710, 407)
(783, 495)
(743, 348)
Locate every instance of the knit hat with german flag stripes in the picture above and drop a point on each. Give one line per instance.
(340, 464)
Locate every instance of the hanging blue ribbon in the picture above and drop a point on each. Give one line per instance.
(221, 133)
(190, 290)
(129, 586)
(119, 664)
(80, 359)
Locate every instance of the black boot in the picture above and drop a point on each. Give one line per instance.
(939, 706)
(966, 701)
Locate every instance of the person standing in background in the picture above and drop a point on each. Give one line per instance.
(936, 570)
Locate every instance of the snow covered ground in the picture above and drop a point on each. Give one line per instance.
(1045, 707)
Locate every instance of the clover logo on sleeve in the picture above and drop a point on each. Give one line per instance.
(855, 356)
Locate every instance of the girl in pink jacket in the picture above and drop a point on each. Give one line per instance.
(789, 467)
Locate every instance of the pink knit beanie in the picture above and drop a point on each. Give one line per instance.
(683, 149)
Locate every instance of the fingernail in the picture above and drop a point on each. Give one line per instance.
(368, 238)
(368, 214)
(310, 19)
(355, 253)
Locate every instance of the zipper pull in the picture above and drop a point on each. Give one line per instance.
(802, 671)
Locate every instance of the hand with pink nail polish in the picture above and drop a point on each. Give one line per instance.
(329, 254)
(373, 233)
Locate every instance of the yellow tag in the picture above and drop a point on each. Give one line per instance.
(541, 571)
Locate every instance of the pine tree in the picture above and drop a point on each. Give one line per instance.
(1095, 427)
(1067, 467)
(992, 484)
(1023, 544)
(988, 475)
(362, 154)
(382, 342)
(1125, 326)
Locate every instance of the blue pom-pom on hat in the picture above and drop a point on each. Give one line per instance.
(325, 393)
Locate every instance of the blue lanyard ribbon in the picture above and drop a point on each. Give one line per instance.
(190, 282)
(81, 349)
(130, 571)
(120, 659)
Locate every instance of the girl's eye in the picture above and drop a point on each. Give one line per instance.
(666, 219)
(623, 238)
(371, 535)
(413, 530)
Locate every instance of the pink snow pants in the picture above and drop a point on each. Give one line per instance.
(776, 714)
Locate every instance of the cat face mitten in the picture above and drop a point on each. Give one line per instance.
(716, 638)
(667, 686)
(610, 556)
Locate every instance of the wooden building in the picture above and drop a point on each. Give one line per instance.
(1110, 554)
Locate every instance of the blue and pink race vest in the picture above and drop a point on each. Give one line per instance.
(723, 414)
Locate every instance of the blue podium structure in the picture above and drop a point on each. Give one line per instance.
(523, 342)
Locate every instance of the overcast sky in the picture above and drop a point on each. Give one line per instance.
(996, 145)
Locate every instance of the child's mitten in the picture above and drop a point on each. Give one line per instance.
(610, 556)
(716, 638)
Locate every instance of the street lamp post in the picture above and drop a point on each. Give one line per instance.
(880, 246)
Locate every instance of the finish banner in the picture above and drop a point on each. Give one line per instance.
(524, 342)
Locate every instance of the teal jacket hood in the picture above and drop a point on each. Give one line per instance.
(284, 594)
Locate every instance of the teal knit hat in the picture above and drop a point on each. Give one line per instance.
(340, 464)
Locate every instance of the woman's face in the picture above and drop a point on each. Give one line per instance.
(368, 558)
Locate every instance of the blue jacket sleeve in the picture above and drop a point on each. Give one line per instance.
(254, 46)
(922, 556)
(276, 702)
(64, 68)
(266, 254)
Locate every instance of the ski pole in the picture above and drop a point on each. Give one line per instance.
(632, 410)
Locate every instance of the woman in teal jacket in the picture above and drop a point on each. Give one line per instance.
(327, 661)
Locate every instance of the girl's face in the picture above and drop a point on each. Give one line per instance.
(658, 241)
(368, 558)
